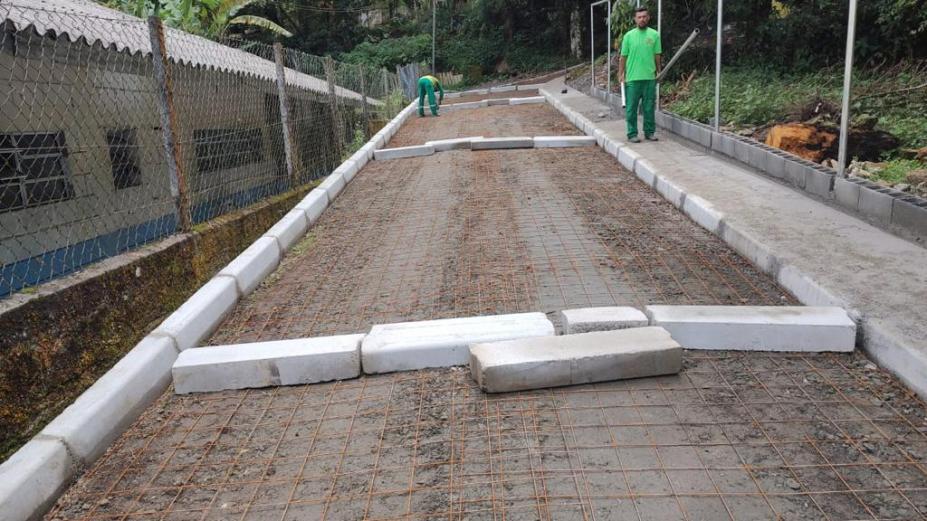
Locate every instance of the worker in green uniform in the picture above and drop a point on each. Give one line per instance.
(427, 85)
(638, 67)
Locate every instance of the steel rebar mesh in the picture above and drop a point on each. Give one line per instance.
(84, 171)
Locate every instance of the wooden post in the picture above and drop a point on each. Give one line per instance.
(288, 150)
(333, 104)
(363, 86)
(172, 151)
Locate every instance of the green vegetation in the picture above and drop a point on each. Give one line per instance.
(211, 18)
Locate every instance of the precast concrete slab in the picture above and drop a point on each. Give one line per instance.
(504, 88)
(407, 346)
(32, 478)
(757, 328)
(333, 185)
(465, 106)
(536, 363)
(627, 157)
(313, 204)
(527, 101)
(347, 169)
(563, 141)
(500, 143)
(102, 412)
(199, 316)
(497, 102)
(403, 152)
(586, 320)
(291, 227)
(444, 145)
(267, 364)
(253, 264)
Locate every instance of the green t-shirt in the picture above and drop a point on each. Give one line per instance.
(639, 47)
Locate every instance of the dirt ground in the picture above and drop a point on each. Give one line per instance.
(744, 436)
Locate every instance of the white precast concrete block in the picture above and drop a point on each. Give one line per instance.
(627, 157)
(757, 328)
(759, 254)
(495, 102)
(460, 143)
(536, 86)
(403, 152)
(266, 364)
(32, 478)
(669, 190)
(497, 143)
(504, 88)
(346, 169)
(563, 141)
(586, 320)
(645, 171)
(253, 264)
(600, 137)
(527, 101)
(451, 95)
(589, 127)
(442, 343)
(313, 204)
(465, 106)
(333, 185)
(101, 413)
(611, 147)
(199, 316)
(703, 213)
(292, 226)
(806, 290)
(535, 363)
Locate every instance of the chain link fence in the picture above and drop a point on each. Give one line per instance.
(117, 131)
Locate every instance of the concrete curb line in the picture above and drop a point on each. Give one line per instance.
(254, 264)
(610, 318)
(527, 101)
(36, 474)
(385, 154)
(498, 143)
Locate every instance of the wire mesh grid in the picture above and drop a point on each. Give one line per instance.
(84, 169)
(735, 436)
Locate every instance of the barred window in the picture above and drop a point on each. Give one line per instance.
(123, 154)
(226, 148)
(33, 170)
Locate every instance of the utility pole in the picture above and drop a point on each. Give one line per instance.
(847, 85)
(434, 34)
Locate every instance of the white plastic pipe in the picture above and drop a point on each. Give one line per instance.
(847, 84)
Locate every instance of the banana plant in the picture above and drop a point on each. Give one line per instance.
(209, 18)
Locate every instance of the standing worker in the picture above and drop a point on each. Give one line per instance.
(641, 60)
(428, 84)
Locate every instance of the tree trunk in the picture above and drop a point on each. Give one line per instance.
(576, 34)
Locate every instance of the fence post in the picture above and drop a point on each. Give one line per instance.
(172, 151)
(288, 151)
(333, 104)
(363, 86)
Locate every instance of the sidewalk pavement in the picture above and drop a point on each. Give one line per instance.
(820, 252)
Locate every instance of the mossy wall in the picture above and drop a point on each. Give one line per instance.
(54, 346)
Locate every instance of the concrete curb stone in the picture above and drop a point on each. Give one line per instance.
(313, 204)
(201, 314)
(499, 143)
(290, 228)
(267, 364)
(333, 185)
(586, 320)
(33, 477)
(254, 264)
(384, 154)
(102, 412)
(527, 101)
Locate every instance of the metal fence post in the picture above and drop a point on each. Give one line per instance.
(333, 103)
(363, 87)
(592, 46)
(847, 85)
(608, 44)
(718, 67)
(288, 151)
(172, 151)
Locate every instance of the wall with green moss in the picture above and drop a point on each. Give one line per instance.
(55, 345)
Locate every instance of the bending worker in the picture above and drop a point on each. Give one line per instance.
(638, 67)
(428, 84)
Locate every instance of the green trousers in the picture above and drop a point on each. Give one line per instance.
(635, 92)
(426, 87)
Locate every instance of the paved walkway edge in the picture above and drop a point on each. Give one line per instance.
(33, 477)
(895, 354)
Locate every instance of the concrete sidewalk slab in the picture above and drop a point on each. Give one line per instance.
(563, 141)
(267, 364)
(757, 328)
(407, 346)
(253, 264)
(586, 320)
(814, 250)
(32, 478)
(536, 363)
(500, 143)
(102, 412)
(199, 316)
(403, 152)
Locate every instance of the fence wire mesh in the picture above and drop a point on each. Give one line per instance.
(85, 172)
